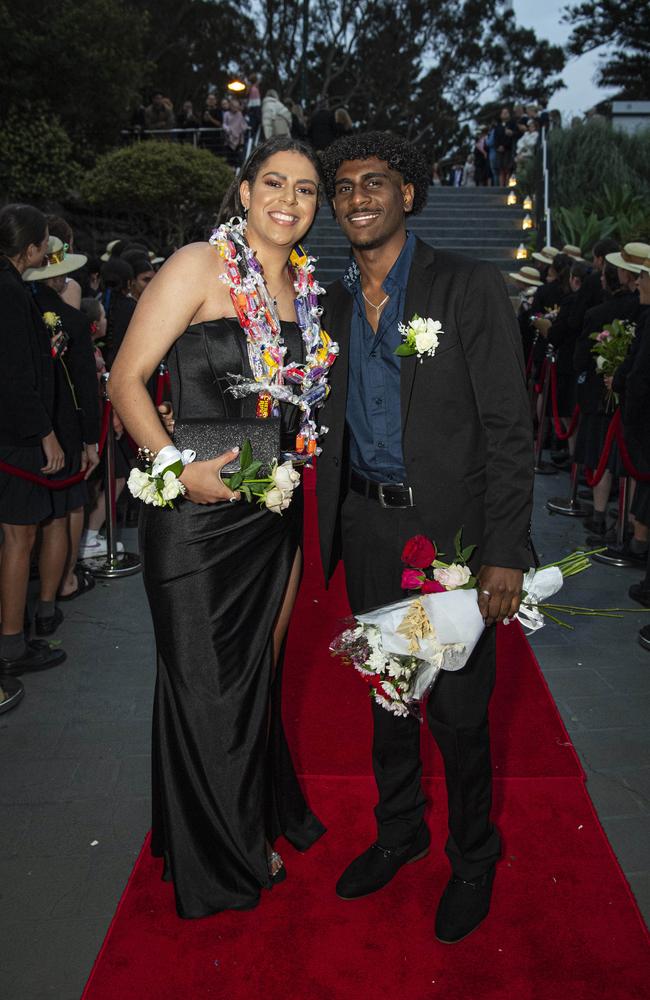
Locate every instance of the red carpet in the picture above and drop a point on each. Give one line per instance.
(563, 924)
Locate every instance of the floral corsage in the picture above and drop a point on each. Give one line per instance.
(421, 337)
(158, 483)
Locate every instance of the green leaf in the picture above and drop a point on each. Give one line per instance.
(251, 470)
(458, 541)
(246, 455)
(404, 351)
(235, 481)
(247, 492)
(468, 552)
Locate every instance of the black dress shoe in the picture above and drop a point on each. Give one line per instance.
(463, 906)
(640, 593)
(374, 869)
(37, 656)
(49, 625)
(644, 637)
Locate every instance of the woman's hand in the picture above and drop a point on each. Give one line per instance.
(541, 325)
(89, 459)
(54, 457)
(202, 480)
(608, 380)
(167, 416)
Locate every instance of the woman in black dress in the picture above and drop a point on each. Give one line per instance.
(221, 577)
(27, 440)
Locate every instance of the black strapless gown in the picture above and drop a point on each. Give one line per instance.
(215, 576)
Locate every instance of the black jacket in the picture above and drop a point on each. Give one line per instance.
(26, 369)
(76, 415)
(636, 411)
(466, 426)
(591, 391)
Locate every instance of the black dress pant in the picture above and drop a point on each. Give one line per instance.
(456, 711)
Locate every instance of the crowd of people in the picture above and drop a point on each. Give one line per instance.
(225, 124)
(507, 142)
(566, 303)
(65, 316)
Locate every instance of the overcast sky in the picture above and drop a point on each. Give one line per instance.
(581, 93)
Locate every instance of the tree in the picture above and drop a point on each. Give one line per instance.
(36, 157)
(420, 67)
(624, 27)
(192, 45)
(83, 60)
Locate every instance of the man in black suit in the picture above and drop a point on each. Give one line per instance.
(423, 447)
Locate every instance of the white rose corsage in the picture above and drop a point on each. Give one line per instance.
(158, 483)
(421, 337)
(273, 491)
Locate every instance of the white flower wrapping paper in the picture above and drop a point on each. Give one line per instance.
(457, 623)
(538, 586)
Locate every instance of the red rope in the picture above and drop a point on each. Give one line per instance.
(560, 433)
(60, 484)
(540, 385)
(163, 388)
(642, 477)
(593, 478)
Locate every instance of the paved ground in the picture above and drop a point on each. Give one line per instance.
(74, 777)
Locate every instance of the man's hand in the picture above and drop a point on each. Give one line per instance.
(499, 592)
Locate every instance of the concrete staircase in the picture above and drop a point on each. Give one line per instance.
(472, 221)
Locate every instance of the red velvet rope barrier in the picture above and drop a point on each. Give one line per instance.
(163, 387)
(60, 484)
(593, 478)
(560, 433)
(540, 385)
(630, 468)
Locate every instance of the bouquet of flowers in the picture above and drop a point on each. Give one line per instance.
(159, 482)
(401, 648)
(610, 349)
(58, 337)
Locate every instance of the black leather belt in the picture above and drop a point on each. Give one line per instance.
(386, 494)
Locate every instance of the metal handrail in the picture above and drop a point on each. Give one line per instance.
(546, 177)
(137, 133)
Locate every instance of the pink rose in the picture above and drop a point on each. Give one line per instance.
(432, 587)
(604, 335)
(419, 552)
(411, 580)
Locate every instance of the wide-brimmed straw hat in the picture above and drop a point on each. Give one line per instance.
(109, 249)
(545, 255)
(57, 262)
(572, 251)
(527, 275)
(634, 257)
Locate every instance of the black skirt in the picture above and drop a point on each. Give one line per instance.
(22, 502)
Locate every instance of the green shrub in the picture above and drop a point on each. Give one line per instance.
(581, 229)
(36, 157)
(172, 188)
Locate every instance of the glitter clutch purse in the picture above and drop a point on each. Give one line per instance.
(211, 438)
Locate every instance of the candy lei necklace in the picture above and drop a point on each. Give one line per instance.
(274, 382)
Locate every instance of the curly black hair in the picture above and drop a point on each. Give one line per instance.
(399, 154)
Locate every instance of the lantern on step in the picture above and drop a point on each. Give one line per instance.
(527, 222)
(512, 183)
(512, 198)
(521, 253)
(527, 204)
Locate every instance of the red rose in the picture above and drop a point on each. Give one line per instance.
(432, 587)
(411, 580)
(419, 552)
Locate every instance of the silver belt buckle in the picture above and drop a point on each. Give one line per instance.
(388, 506)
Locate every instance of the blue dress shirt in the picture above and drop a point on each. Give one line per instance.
(373, 412)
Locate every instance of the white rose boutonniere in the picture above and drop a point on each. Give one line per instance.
(421, 337)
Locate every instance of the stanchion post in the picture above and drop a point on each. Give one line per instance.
(569, 506)
(615, 555)
(114, 563)
(540, 468)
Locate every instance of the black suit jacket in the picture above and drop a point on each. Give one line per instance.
(466, 426)
(26, 368)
